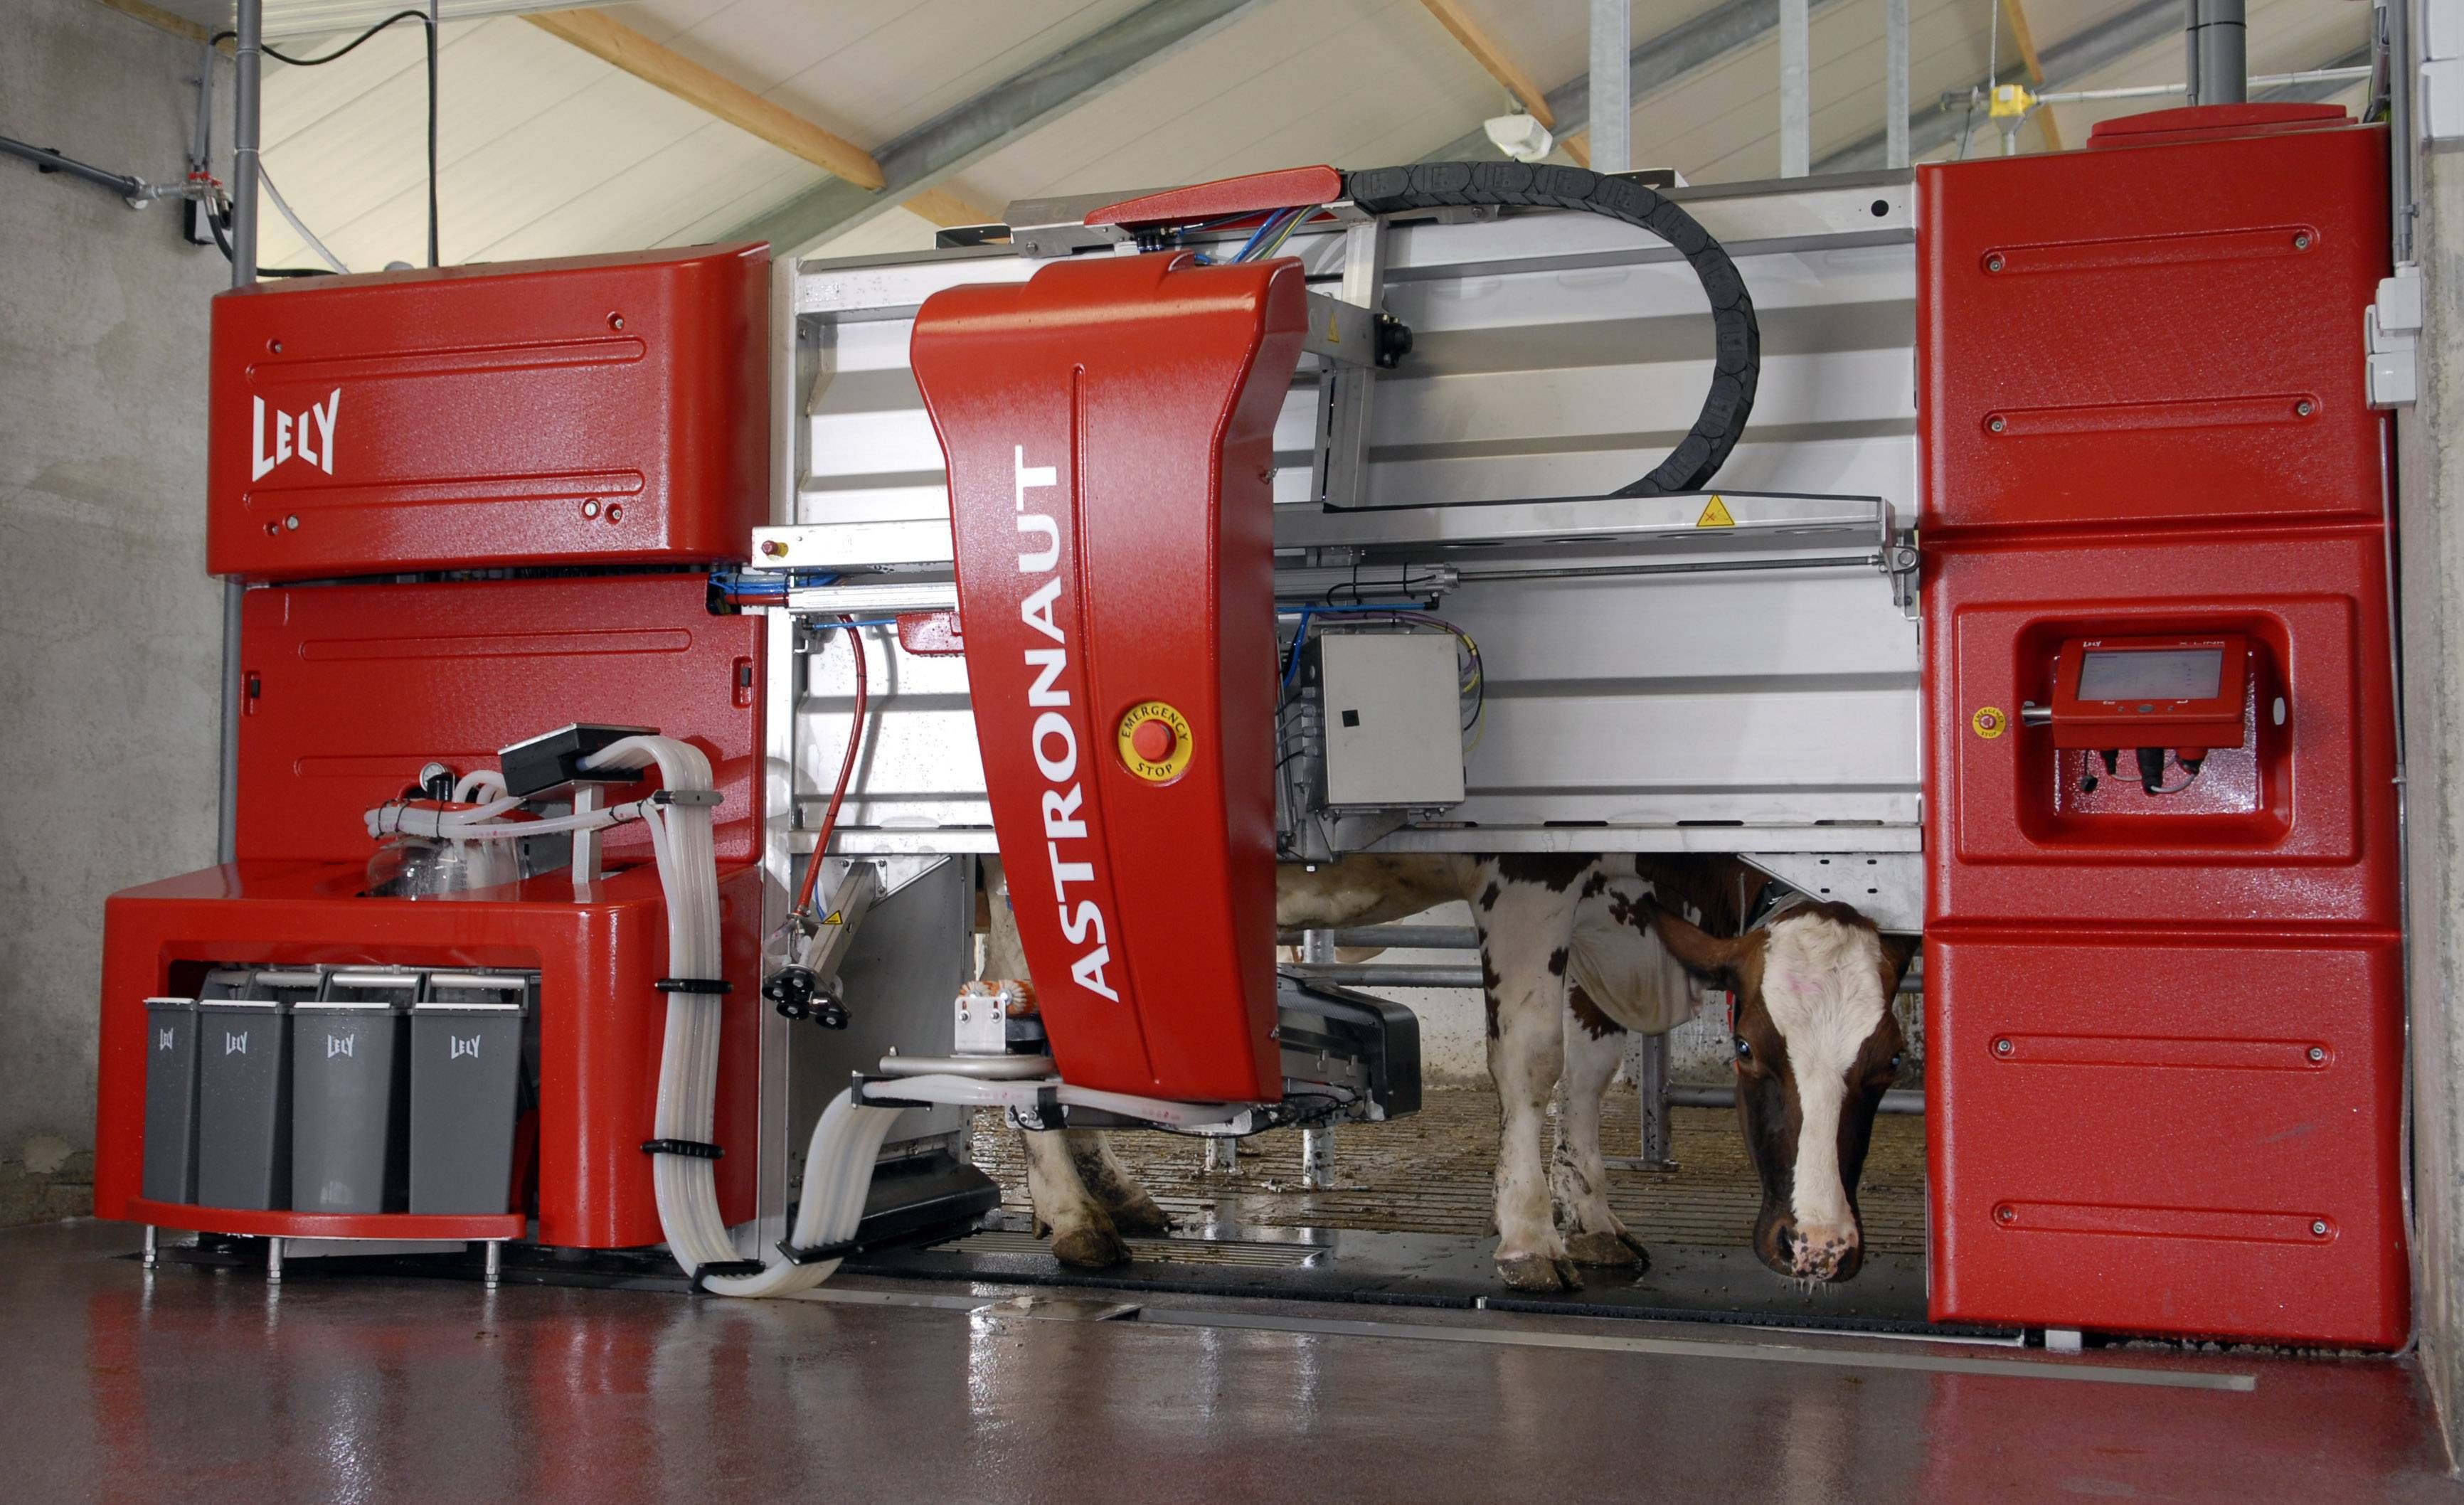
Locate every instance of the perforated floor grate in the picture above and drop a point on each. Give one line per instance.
(1431, 1173)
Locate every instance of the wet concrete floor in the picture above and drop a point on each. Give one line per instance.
(202, 1384)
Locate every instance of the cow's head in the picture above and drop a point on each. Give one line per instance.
(1815, 1045)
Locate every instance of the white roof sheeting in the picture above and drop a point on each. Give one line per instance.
(547, 151)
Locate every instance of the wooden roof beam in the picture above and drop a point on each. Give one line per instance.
(619, 45)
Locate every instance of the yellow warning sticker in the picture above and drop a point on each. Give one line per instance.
(1715, 515)
(1990, 722)
(836, 917)
(1333, 332)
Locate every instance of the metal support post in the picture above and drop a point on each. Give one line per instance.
(1655, 1148)
(1611, 127)
(1223, 1156)
(1797, 89)
(1895, 92)
(495, 1266)
(2219, 52)
(151, 1248)
(1317, 1145)
(586, 799)
(1317, 1158)
(273, 1261)
(246, 87)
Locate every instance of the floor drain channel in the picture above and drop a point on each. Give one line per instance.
(1145, 1250)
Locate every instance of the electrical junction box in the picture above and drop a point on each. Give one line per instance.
(1393, 703)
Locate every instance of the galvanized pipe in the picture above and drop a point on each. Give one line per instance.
(248, 78)
(1395, 937)
(1612, 125)
(1796, 88)
(2157, 91)
(1895, 78)
(1364, 974)
(247, 94)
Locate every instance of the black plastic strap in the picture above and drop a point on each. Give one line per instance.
(709, 985)
(1737, 338)
(686, 797)
(818, 1252)
(724, 1269)
(681, 1146)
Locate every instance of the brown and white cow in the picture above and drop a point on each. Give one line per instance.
(1573, 956)
(1816, 1047)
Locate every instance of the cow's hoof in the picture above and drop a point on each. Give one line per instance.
(1141, 1218)
(1090, 1246)
(1609, 1251)
(1539, 1272)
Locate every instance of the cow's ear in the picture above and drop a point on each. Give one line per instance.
(1705, 955)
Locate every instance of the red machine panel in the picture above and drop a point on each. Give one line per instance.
(2177, 1135)
(1109, 428)
(351, 688)
(2161, 334)
(601, 409)
(2295, 826)
(600, 1019)
(2164, 1005)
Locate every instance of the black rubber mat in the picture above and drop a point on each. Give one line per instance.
(1691, 1284)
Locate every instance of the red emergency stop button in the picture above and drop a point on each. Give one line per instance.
(1155, 742)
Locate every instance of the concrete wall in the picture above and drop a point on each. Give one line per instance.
(109, 628)
(2430, 457)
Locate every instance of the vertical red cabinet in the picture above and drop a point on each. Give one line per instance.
(2164, 1030)
(1109, 426)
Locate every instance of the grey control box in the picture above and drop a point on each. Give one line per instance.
(1394, 719)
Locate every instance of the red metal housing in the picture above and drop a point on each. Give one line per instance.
(596, 410)
(2165, 1043)
(351, 689)
(1109, 427)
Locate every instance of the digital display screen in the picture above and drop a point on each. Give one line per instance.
(2152, 674)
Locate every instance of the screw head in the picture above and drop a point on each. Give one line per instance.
(591, 506)
(615, 511)
(2301, 241)
(292, 522)
(1994, 423)
(2320, 1227)
(1994, 263)
(2001, 1047)
(2006, 1214)
(616, 322)
(273, 347)
(2318, 1053)
(2305, 408)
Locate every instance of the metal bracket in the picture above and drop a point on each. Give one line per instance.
(1901, 560)
(1338, 469)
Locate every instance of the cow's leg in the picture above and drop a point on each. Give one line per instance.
(1131, 1210)
(1082, 1232)
(1595, 1044)
(1526, 928)
(1075, 1204)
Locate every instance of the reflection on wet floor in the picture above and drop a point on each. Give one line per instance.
(1431, 1173)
